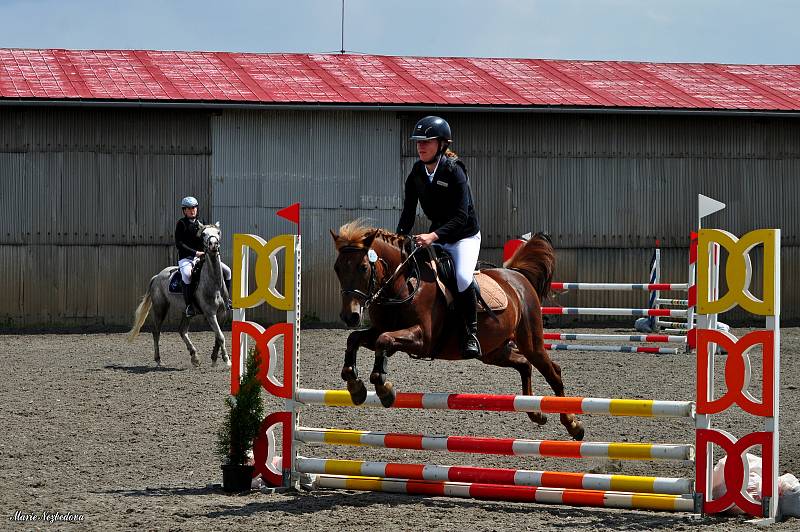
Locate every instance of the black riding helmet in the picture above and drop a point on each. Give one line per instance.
(432, 127)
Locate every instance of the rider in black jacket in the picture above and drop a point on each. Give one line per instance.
(190, 250)
(439, 182)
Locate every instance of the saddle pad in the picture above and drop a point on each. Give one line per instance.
(491, 292)
(175, 282)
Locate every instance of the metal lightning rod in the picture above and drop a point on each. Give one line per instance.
(342, 50)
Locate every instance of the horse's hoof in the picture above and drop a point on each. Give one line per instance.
(386, 394)
(213, 362)
(577, 431)
(195, 361)
(227, 362)
(538, 417)
(349, 373)
(358, 392)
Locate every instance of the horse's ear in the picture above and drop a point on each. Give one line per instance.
(369, 238)
(217, 224)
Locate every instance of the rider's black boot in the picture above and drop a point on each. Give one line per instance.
(228, 301)
(468, 306)
(187, 298)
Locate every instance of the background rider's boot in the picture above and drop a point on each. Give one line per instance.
(468, 305)
(228, 297)
(187, 298)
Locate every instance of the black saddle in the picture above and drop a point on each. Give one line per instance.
(175, 278)
(445, 268)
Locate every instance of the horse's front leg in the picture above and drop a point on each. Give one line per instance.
(410, 340)
(183, 329)
(219, 341)
(356, 339)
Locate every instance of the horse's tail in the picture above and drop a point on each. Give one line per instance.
(536, 260)
(141, 314)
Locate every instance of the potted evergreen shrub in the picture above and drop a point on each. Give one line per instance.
(245, 412)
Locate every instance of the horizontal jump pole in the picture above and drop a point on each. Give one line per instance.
(621, 286)
(508, 403)
(613, 348)
(675, 313)
(654, 338)
(675, 324)
(487, 475)
(675, 302)
(494, 492)
(502, 446)
(674, 331)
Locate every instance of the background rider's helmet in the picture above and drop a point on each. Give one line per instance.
(432, 127)
(189, 202)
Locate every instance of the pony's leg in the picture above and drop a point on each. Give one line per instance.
(219, 342)
(183, 329)
(570, 421)
(507, 357)
(224, 348)
(409, 340)
(356, 339)
(551, 372)
(158, 319)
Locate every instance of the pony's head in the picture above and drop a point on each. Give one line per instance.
(354, 269)
(211, 235)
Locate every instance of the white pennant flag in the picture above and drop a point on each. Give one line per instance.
(706, 205)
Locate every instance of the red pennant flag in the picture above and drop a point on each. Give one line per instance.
(291, 213)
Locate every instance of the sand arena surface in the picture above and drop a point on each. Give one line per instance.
(95, 429)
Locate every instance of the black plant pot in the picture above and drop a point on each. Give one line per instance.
(237, 478)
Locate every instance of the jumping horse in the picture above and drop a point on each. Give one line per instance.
(408, 312)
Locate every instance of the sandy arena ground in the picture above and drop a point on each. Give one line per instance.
(97, 430)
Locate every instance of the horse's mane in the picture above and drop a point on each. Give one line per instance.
(357, 232)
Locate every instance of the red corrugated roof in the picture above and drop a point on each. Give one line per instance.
(224, 77)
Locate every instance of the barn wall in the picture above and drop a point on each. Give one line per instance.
(89, 199)
(89, 195)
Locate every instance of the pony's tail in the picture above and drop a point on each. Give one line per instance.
(140, 315)
(536, 260)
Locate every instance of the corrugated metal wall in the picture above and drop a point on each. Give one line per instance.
(608, 186)
(89, 203)
(340, 165)
(605, 186)
(89, 195)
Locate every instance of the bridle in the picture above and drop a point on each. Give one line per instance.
(373, 295)
(208, 239)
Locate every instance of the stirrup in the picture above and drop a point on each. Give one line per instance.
(474, 353)
(189, 311)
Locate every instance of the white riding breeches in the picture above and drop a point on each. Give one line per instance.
(465, 257)
(187, 264)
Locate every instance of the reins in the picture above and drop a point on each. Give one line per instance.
(374, 297)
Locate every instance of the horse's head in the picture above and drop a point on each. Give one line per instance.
(211, 234)
(355, 269)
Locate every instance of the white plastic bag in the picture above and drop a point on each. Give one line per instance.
(718, 488)
(788, 487)
(789, 501)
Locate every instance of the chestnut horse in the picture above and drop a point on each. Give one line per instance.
(408, 312)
